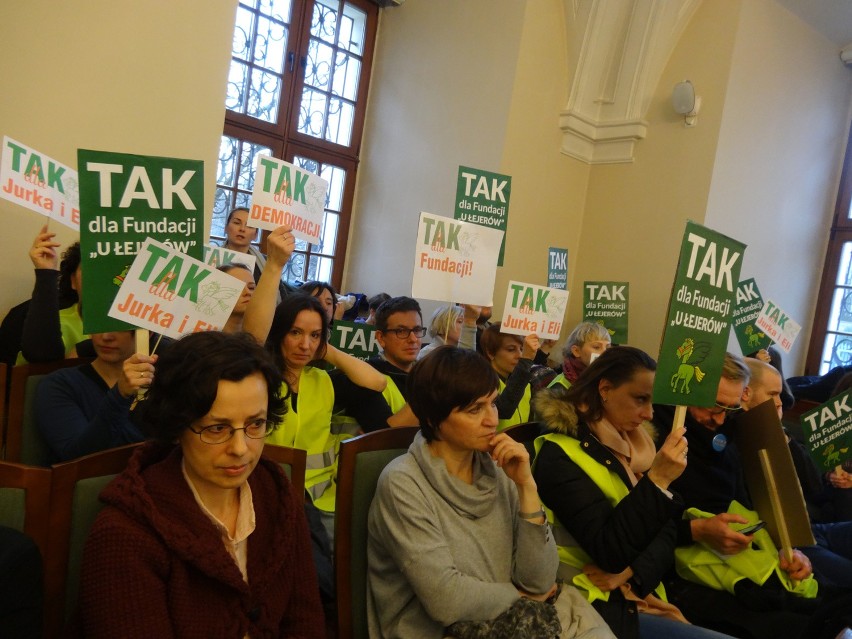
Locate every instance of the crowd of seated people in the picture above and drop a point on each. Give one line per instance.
(605, 530)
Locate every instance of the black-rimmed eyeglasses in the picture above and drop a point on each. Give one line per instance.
(403, 333)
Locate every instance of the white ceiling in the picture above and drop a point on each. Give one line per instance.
(832, 18)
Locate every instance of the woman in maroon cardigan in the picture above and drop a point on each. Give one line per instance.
(203, 538)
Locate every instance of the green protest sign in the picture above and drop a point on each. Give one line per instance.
(356, 338)
(557, 268)
(747, 308)
(482, 198)
(699, 318)
(828, 431)
(606, 304)
(125, 199)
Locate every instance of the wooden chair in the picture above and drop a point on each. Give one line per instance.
(25, 501)
(23, 441)
(75, 487)
(360, 463)
(293, 460)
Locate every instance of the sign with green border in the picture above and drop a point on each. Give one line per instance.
(557, 268)
(125, 199)
(356, 338)
(698, 321)
(748, 304)
(606, 303)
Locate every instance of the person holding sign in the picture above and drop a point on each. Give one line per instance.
(200, 535)
(454, 326)
(53, 326)
(777, 602)
(86, 409)
(242, 273)
(606, 488)
(296, 333)
(511, 358)
(457, 543)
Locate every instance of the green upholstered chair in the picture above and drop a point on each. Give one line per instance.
(360, 463)
(75, 487)
(292, 460)
(25, 501)
(23, 441)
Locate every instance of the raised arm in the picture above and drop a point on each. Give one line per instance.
(280, 245)
(357, 370)
(41, 339)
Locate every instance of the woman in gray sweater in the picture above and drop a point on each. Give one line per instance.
(456, 530)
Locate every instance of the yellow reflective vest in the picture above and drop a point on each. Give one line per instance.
(310, 430)
(613, 488)
(522, 412)
(393, 396)
(561, 380)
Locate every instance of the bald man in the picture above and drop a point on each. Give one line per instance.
(831, 557)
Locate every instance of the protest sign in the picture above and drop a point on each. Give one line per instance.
(695, 337)
(747, 308)
(356, 338)
(171, 293)
(217, 256)
(287, 194)
(759, 429)
(482, 198)
(828, 431)
(455, 261)
(39, 183)
(605, 303)
(777, 325)
(125, 199)
(557, 268)
(534, 309)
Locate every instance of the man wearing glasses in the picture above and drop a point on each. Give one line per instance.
(399, 330)
(712, 480)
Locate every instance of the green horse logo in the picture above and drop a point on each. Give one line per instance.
(832, 456)
(753, 338)
(690, 355)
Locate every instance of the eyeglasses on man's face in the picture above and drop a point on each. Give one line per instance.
(718, 409)
(403, 333)
(220, 433)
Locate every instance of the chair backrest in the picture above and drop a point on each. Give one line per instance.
(23, 442)
(25, 501)
(292, 460)
(75, 487)
(4, 409)
(360, 463)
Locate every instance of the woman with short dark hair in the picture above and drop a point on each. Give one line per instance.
(458, 544)
(200, 535)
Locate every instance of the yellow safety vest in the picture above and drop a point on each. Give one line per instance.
(310, 430)
(699, 564)
(561, 380)
(393, 396)
(613, 488)
(522, 412)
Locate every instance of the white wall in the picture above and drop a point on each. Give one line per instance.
(780, 150)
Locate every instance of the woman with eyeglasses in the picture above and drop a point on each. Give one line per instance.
(606, 490)
(201, 536)
(296, 334)
(511, 357)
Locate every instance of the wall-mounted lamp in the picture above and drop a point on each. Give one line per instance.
(686, 103)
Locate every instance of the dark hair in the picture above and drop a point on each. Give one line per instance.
(230, 266)
(234, 210)
(446, 379)
(617, 365)
(314, 288)
(492, 339)
(377, 300)
(285, 317)
(67, 268)
(187, 380)
(399, 304)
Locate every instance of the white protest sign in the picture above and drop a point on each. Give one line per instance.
(217, 256)
(286, 194)
(455, 261)
(777, 325)
(534, 309)
(171, 293)
(39, 183)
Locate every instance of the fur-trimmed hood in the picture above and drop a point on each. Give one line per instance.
(558, 415)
